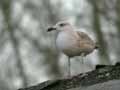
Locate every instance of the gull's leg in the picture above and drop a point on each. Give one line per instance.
(69, 68)
(82, 57)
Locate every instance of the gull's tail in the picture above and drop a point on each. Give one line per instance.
(97, 45)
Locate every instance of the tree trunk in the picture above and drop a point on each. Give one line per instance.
(6, 9)
(103, 53)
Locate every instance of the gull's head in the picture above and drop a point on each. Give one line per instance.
(60, 26)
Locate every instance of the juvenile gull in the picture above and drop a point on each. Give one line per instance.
(72, 43)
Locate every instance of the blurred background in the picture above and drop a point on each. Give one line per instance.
(28, 54)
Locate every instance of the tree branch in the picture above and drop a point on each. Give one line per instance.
(102, 73)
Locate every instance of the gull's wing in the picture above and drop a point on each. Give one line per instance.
(85, 42)
(84, 36)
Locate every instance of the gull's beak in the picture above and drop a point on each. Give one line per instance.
(51, 29)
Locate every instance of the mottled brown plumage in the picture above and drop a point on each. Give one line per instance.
(86, 44)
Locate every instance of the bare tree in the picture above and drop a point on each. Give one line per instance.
(6, 9)
(104, 55)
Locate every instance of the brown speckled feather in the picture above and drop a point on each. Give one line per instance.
(86, 44)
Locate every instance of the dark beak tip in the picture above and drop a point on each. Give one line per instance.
(51, 29)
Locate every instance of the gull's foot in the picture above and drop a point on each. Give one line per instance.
(66, 77)
(69, 77)
(83, 75)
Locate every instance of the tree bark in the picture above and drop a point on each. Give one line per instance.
(101, 74)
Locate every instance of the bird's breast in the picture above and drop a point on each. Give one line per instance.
(65, 41)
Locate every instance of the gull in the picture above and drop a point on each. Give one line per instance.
(71, 42)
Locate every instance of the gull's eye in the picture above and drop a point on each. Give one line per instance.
(62, 24)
